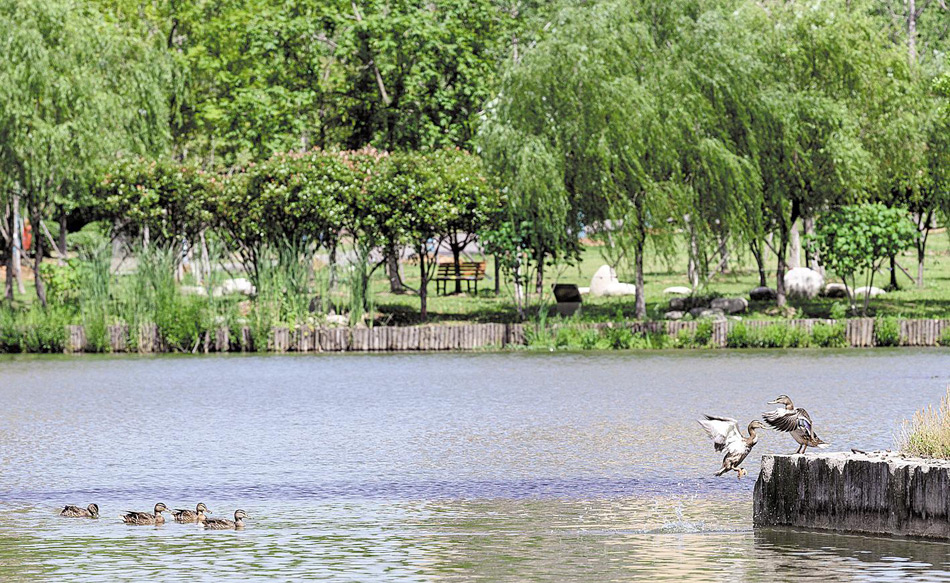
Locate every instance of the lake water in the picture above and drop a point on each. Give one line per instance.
(425, 467)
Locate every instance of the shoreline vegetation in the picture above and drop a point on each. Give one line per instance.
(564, 335)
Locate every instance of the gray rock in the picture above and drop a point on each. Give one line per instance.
(730, 305)
(674, 315)
(859, 492)
(763, 294)
(802, 282)
(835, 290)
(710, 313)
(678, 304)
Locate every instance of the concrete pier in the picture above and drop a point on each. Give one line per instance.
(875, 492)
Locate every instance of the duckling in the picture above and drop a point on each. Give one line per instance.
(91, 511)
(196, 515)
(143, 518)
(225, 524)
(793, 420)
(725, 434)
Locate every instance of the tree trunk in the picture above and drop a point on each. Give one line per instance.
(640, 305)
(392, 271)
(17, 244)
(38, 259)
(795, 250)
(519, 288)
(11, 244)
(539, 279)
(423, 284)
(811, 254)
(759, 254)
(497, 276)
(893, 285)
(912, 30)
(62, 247)
(923, 233)
(723, 253)
(456, 261)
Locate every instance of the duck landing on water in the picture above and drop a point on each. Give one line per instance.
(144, 518)
(724, 431)
(793, 420)
(91, 511)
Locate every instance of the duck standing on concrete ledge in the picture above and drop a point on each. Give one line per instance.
(725, 434)
(794, 420)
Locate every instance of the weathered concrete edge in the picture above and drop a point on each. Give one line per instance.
(862, 493)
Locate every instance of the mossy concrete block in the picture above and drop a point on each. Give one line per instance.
(877, 492)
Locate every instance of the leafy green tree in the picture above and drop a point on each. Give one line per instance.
(76, 89)
(855, 240)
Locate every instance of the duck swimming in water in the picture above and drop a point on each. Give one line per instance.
(725, 434)
(91, 511)
(793, 420)
(144, 518)
(196, 515)
(225, 524)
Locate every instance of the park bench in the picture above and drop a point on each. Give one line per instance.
(468, 271)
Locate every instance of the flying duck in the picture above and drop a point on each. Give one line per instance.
(143, 518)
(725, 434)
(793, 420)
(70, 511)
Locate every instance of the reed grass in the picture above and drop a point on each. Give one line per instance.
(927, 434)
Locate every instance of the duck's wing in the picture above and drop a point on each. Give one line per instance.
(724, 431)
(804, 422)
(781, 419)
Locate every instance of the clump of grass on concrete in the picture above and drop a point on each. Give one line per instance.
(927, 435)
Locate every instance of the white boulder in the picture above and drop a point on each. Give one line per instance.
(605, 283)
(193, 290)
(803, 282)
(678, 291)
(863, 290)
(238, 285)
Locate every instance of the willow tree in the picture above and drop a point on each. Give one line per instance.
(826, 64)
(75, 91)
(578, 132)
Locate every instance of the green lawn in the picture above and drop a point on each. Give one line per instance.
(933, 301)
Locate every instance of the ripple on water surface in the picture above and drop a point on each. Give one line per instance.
(502, 467)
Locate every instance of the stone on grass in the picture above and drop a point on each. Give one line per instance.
(678, 291)
(678, 304)
(863, 290)
(193, 290)
(674, 315)
(763, 294)
(730, 305)
(605, 283)
(707, 313)
(802, 282)
(238, 285)
(835, 290)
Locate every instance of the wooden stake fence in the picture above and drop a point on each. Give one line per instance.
(859, 333)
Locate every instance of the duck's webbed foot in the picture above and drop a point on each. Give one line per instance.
(740, 472)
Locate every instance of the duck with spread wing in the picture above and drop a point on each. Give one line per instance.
(724, 431)
(795, 421)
